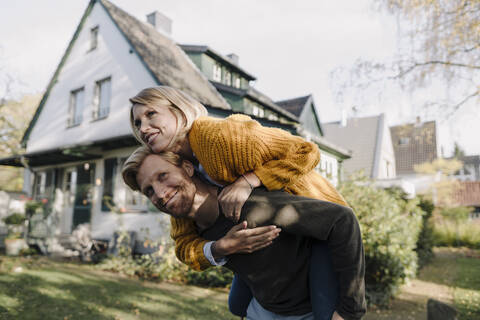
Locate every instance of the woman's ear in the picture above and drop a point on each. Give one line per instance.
(188, 167)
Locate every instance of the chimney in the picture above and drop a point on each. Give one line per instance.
(160, 22)
(233, 58)
(418, 122)
(343, 121)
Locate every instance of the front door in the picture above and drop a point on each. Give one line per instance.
(82, 208)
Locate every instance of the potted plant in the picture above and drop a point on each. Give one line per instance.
(14, 242)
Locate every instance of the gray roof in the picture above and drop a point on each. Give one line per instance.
(264, 99)
(413, 143)
(360, 135)
(294, 105)
(166, 61)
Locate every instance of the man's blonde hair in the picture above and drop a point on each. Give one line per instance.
(133, 163)
(185, 108)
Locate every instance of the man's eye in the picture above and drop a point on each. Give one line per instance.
(149, 192)
(162, 175)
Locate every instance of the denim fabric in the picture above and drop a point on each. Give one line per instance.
(256, 312)
(239, 298)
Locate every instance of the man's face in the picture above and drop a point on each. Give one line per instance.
(170, 188)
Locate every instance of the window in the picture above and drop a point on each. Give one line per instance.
(101, 98)
(227, 78)
(44, 185)
(236, 81)
(77, 98)
(217, 72)
(110, 166)
(403, 141)
(258, 111)
(93, 38)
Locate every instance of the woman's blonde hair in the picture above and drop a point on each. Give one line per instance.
(133, 163)
(184, 107)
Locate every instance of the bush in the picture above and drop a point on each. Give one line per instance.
(390, 228)
(425, 241)
(15, 219)
(452, 233)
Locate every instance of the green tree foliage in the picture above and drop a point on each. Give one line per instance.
(390, 229)
(15, 116)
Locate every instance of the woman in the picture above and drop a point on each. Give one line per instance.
(241, 154)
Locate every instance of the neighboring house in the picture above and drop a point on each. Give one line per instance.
(414, 144)
(332, 155)
(467, 194)
(225, 73)
(80, 134)
(470, 170)
(369, 140)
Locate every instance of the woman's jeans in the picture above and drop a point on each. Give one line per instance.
(323, 286)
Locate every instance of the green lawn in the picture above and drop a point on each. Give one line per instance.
(453, 277)
(43, 289)
(39, 288)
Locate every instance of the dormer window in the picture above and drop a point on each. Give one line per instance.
(227, 80)
(77, 102)
(236, 81)
(101, 98)
(217, 72)
(258, 111)
(403, 141)
(93, 38)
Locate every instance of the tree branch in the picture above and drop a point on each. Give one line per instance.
(433, 62)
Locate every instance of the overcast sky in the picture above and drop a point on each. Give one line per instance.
(291, 49)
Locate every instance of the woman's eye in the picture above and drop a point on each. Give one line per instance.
(150, 114)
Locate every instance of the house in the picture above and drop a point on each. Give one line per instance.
(470, 170)
(80, 134)
(414, 144)
(369, 140)
(467, 194)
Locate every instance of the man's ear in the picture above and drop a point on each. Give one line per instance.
(188, 167)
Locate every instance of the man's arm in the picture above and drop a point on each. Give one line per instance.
(323, 221)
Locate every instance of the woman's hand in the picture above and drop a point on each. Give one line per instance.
(242, 240)
(234, 195)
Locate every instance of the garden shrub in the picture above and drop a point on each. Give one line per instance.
(390, 228)
(453, 228)
(425, 241)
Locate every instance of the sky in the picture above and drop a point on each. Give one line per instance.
(290, 49)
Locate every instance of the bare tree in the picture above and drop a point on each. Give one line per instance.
(439, 46)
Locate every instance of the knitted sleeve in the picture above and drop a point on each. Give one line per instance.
(230, 147)
(188, 244)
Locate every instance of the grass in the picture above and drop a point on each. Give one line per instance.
(457, 234)
(453, 277)
(39, 288)
(43, 289)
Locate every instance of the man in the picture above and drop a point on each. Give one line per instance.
(278, 274)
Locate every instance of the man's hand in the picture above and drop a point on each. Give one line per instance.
(234, 195)
(242, 240)
(336, 316)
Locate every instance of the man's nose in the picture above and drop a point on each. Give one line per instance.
(160, 192)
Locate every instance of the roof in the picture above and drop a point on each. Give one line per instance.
(191, 48)
(413, 144)
(295, 105)
(168, 62)
(467, 194)
(360, 135)
(165, 61)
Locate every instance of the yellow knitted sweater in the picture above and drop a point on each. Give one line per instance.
(228, 148)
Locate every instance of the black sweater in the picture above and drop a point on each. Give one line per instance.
(278, 274)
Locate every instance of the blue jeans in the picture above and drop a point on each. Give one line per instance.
(323, 286)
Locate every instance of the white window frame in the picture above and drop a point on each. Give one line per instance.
(94, 38)
(227, 78)
(258, 111)
(102, 98)
(77, 104)
(217, 72)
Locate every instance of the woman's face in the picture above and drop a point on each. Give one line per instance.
(157, 125)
